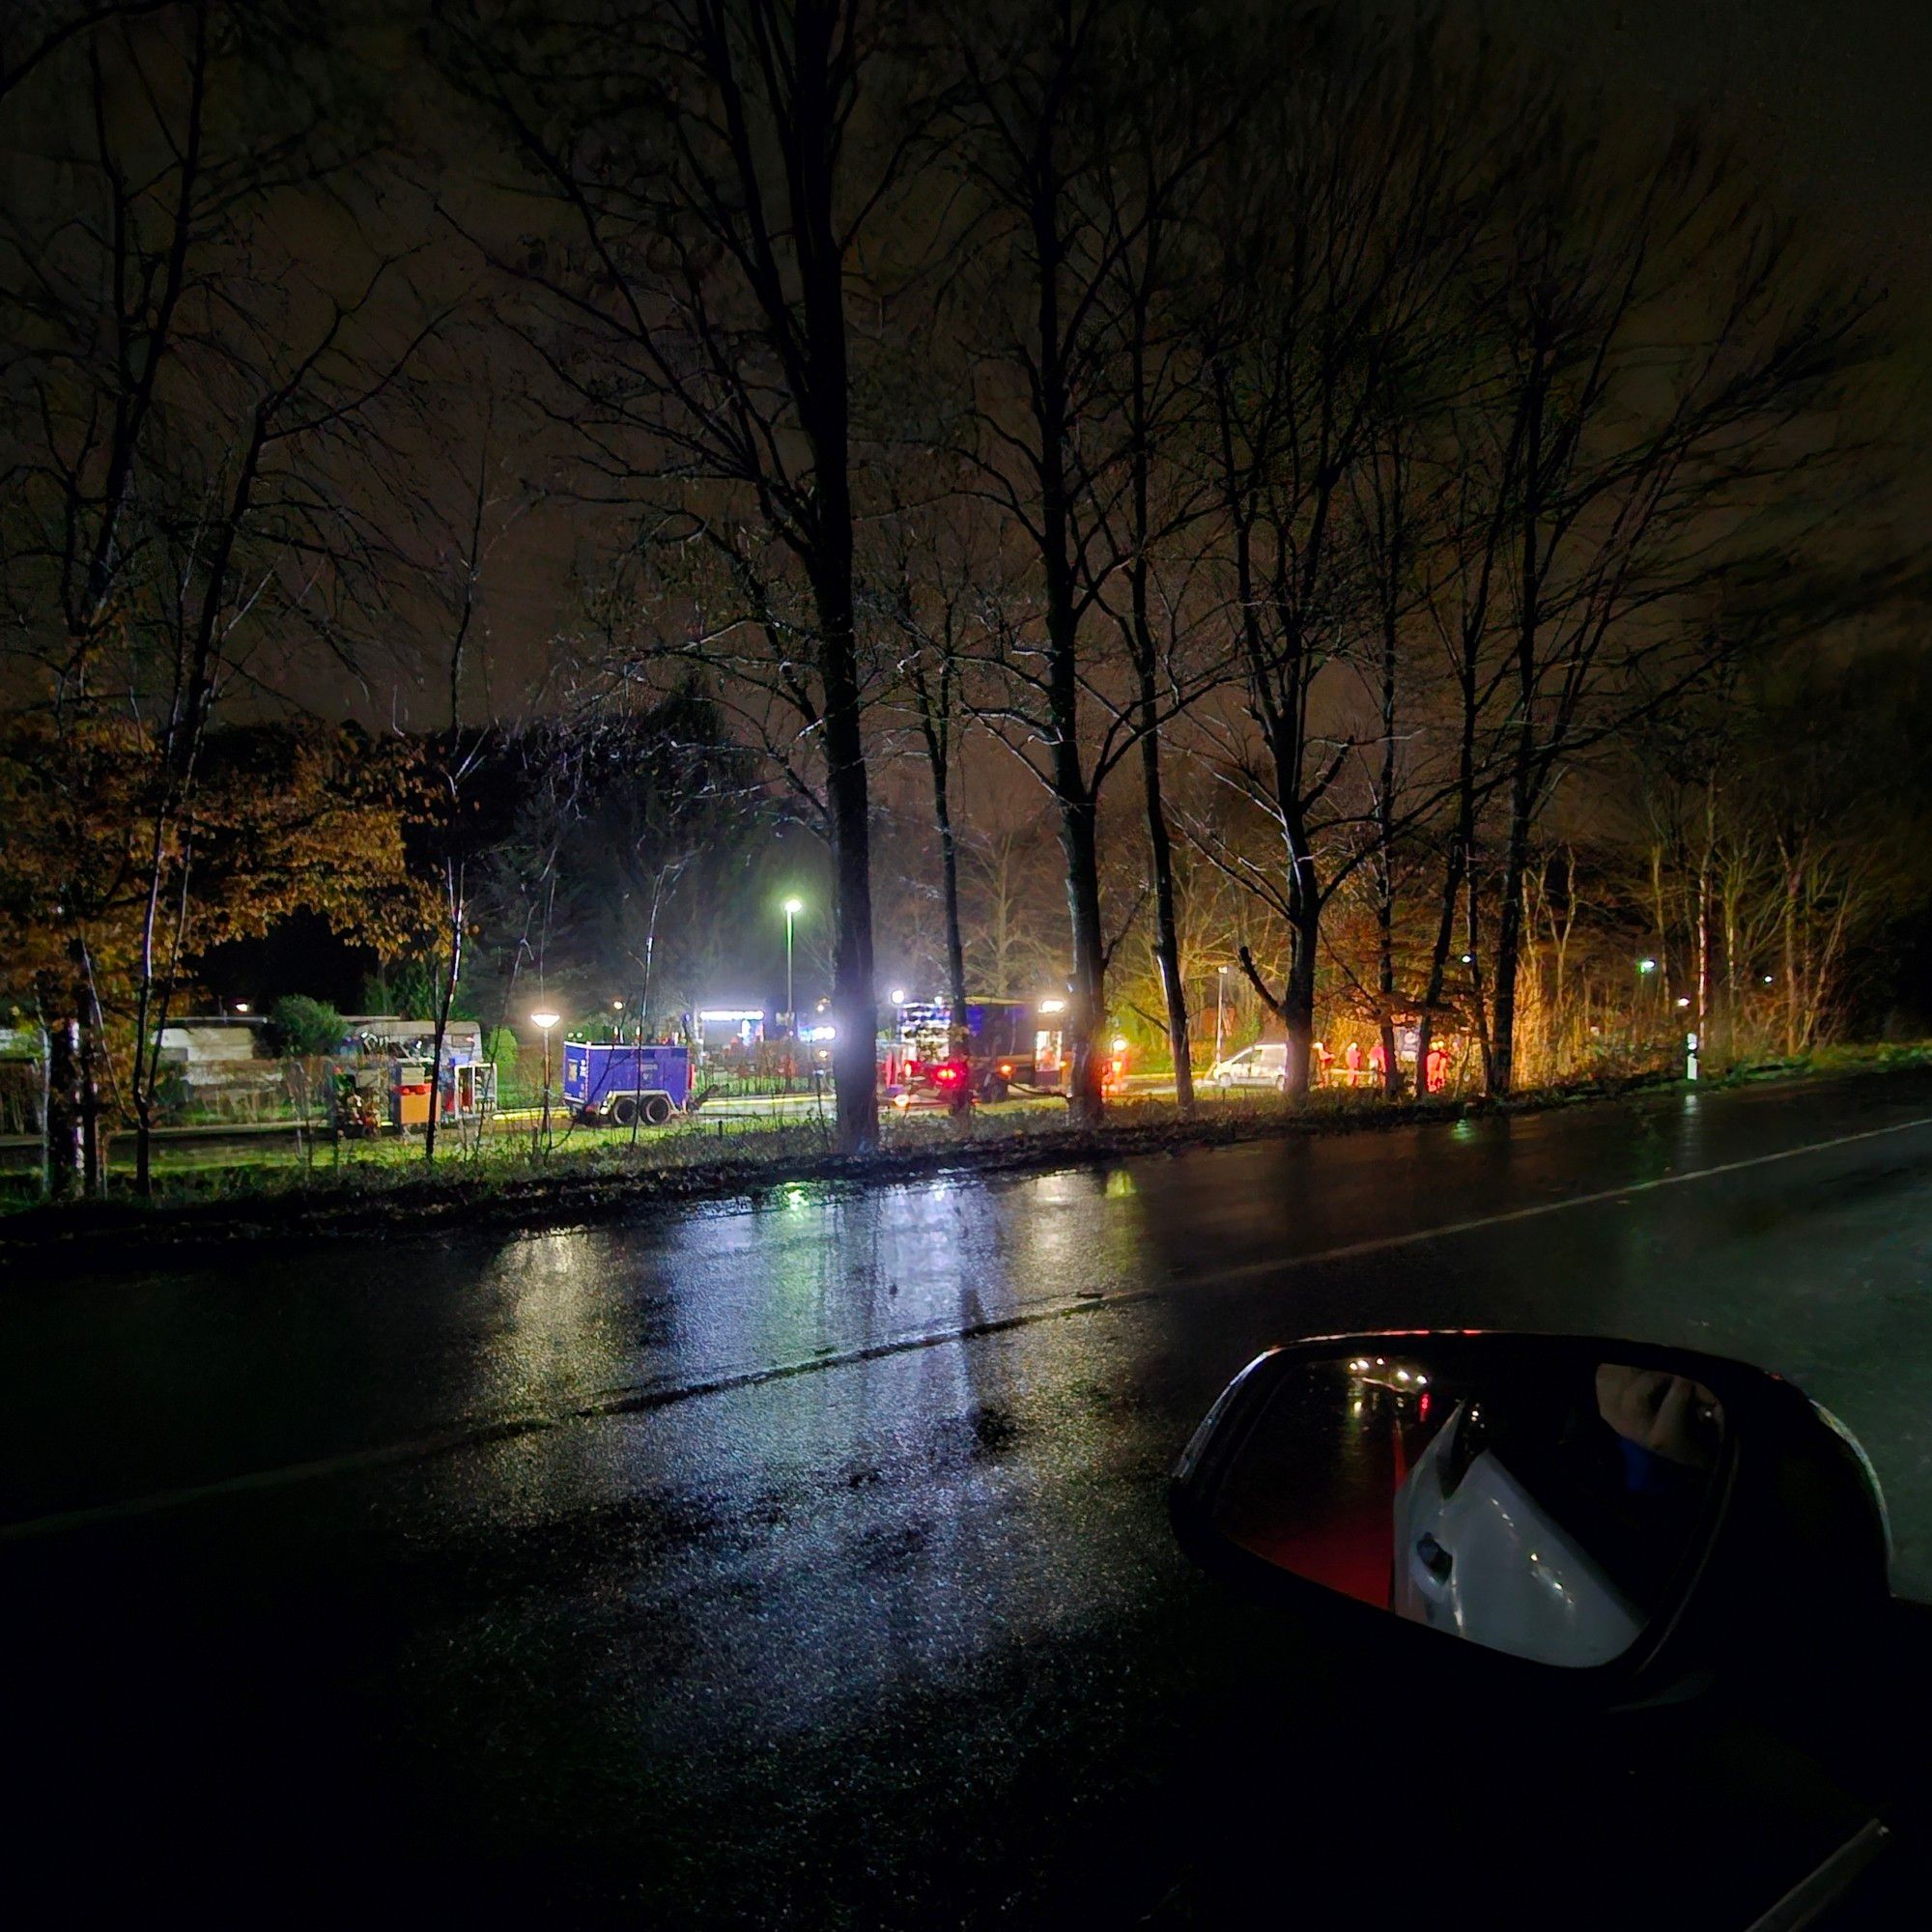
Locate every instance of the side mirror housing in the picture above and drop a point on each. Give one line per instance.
(1586, 1520)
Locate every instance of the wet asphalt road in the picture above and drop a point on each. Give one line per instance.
(805, 1562)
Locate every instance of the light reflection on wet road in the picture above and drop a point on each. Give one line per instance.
(633, 1581)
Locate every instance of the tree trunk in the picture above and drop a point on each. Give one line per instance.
(1791, 998)
(935, 723)
(1160, 848)
(1297, 1004)
(1485, 1039)
(949, 880)
(1702, 1016)
(824, 402)
(1386, 983)
(92, 1148)
(445, 1000)
(1509, 964)
(855, 1071)
(1087, 1008)
(1166, 935)
(1526, 775)
(1304, 932)
(144, 1129)
(61, 1132)
(1384, 872)
(1457, 864)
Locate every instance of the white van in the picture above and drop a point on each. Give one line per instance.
(1264, 1066)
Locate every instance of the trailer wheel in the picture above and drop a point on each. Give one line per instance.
(657, 1109)
(624, 1109)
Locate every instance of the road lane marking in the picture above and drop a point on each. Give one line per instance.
(1415, 1237)
(639, 1398)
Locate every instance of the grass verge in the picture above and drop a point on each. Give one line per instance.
(499, 1183)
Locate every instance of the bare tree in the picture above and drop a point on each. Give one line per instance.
(1346, 221)
(715, 171)
(490, 508)
(194, 439)
(1067, 184)
(934, 602)
(1664, 366)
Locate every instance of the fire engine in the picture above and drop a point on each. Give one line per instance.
(1008, 1046)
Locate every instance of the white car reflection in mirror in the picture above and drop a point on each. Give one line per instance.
(1517, 1580)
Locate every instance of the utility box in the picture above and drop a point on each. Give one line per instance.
(412, 1094)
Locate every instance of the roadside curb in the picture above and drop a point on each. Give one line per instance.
(42, 1242)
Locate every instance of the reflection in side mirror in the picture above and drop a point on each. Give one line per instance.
(1535, 1497)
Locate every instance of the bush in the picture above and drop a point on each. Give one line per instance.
(303, 1029)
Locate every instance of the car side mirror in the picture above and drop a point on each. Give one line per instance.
(1602, 1513)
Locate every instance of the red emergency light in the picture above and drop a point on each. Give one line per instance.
(948, 1074)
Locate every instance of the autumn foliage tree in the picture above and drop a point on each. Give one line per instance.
(286, 818)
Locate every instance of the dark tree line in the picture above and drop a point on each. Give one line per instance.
(1325, 403)
(1318, 454)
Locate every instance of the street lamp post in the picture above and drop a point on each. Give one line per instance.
(1221, 1000)
(792, 909)
(544, 1021)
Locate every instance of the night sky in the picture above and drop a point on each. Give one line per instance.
(1838, 92)
(1834, 94)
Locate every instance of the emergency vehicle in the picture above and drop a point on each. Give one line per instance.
(1009, 1044)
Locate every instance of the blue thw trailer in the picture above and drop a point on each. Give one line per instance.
(624, 1084)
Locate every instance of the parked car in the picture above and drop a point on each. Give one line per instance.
(1265, 1066)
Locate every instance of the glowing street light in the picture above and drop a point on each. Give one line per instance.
(543, 1020)
(898, 996)
(792, 909)
(1646, 965)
